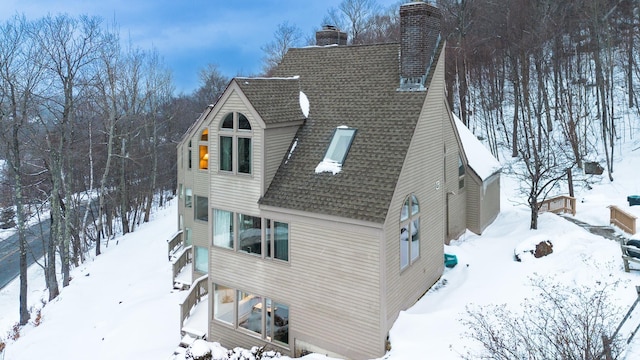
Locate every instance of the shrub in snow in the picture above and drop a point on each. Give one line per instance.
(256, 353)
(14, 333)
(199, 350)
(559, 322)
(203, 350)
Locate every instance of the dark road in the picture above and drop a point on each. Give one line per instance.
(10, 251)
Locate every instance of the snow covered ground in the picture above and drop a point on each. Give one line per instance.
(120, 304)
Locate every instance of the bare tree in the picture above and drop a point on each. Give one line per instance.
(286, 36)
(159, 89)
(354, 16)
(213, 82)
(557, 323)
(70, 45)
(19, 76)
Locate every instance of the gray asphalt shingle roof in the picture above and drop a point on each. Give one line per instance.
(275, 99)
(354, 86)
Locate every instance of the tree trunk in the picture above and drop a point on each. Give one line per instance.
(22, 240)
(534, 215)
(50, 270)
(516, 105)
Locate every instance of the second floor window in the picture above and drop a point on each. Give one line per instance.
(235, 144)
(204, 150)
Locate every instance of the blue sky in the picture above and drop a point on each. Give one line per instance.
(189, 34)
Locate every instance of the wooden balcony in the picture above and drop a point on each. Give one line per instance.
(180, 262)
(193, 317)
(174, 244)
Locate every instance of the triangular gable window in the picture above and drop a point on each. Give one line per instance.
(340, 144)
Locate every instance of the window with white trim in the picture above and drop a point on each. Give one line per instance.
(409, 231)
(235, 152)
(263, 237)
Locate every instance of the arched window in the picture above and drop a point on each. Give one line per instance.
(235, 144)
(409, 231)
(204, 150)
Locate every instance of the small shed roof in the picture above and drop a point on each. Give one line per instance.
(480, 159)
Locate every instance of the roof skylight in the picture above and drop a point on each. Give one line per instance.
(340, 144)
(337, 150)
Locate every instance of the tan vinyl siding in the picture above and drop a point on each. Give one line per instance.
(200, 233)
(422, 175)
(331, 285)
(277, 142)
(490, 201)
(455, 197)
(473, 203)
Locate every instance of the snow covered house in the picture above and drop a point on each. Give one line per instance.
(318, 200)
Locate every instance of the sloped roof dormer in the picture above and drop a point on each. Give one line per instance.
(275, 99)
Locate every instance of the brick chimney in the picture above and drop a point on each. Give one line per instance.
(419, 38)
(330, 35)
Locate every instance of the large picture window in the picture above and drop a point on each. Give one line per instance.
(202, 208)
(235, 144)
(409, 231)
(253, 314)
(271, 243)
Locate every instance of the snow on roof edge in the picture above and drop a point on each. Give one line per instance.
(480, 159)
(295, 77)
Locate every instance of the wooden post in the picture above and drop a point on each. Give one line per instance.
(570, 178)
